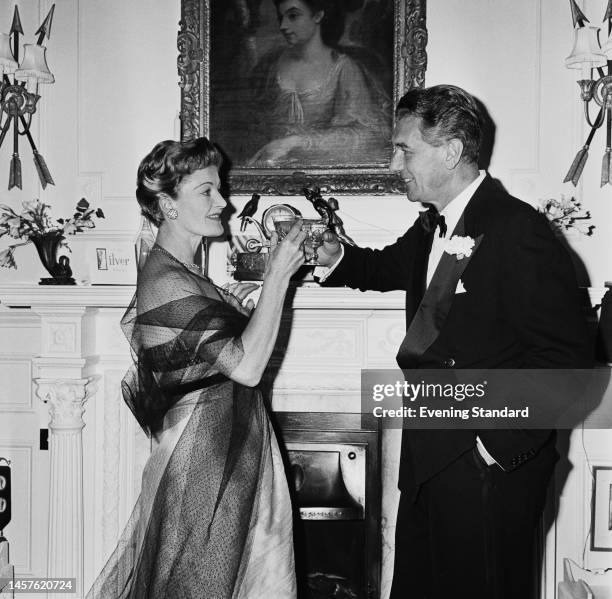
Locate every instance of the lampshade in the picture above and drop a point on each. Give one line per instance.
(33, 67)
(607, 48)
(7, 62)
(586, 52)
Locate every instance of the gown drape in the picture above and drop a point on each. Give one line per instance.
(213, 519)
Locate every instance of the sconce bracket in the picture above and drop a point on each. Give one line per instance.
(586, 89)
(15, 100)
(602, 93)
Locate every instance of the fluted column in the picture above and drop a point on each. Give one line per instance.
(66, 399)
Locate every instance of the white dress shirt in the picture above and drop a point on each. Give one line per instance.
(452, 213)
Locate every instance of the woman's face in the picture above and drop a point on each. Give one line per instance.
(199, 204)
(297, 22)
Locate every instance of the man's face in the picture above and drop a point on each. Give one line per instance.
(423, 167)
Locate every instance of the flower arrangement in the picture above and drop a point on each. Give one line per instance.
(566, 214)
(34, 222)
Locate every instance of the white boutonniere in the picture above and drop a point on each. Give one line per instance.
(459, 246)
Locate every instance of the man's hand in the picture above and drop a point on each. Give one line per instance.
(329, 253)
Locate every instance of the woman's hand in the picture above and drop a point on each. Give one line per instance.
(274, 151)
(240, 290)
(287, 255)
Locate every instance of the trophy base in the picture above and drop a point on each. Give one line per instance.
(251, 267)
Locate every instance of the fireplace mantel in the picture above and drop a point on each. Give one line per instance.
(310, 297)
(307, 297)
(330, 334)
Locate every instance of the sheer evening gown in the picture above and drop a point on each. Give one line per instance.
(213, 519)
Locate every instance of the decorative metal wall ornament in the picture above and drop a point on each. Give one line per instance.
(195, 66)
(587, 55)
(19, 93)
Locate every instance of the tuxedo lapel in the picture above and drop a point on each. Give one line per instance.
(416, 288)
(433, 309)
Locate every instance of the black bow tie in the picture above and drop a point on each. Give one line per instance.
(430, 219)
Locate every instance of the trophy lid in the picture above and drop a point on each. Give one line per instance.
(274, 212)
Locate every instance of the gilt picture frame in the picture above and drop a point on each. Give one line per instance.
(232, 91)
(601, 509)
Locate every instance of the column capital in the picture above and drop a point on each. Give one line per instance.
(66, 399)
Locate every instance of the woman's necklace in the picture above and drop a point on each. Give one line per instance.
(190, 265)
(158, 248)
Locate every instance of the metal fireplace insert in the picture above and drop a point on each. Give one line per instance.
(333, 466)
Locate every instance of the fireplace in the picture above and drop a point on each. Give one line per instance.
(333, 465)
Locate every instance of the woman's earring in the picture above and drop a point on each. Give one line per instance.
(172, 214)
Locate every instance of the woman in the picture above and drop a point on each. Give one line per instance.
(214, 517)
(316, 103)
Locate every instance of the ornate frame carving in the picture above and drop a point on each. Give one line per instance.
(410, 63)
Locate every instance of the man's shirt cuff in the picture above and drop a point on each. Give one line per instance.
(484, 454)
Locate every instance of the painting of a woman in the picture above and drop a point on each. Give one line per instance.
(316, 97)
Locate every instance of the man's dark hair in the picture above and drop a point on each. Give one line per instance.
(446, 112)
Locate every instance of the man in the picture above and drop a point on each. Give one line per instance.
(470, 500)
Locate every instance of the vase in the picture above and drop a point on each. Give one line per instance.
(47, 246)
(145, 240)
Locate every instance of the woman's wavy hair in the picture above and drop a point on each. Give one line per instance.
(332, 24)
(446, 112)
(164, 167)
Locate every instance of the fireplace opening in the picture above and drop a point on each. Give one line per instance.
(333, 466)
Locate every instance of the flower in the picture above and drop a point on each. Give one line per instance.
(14, 227)
(69, 229)
(566, 214)
(30, 206)
(459, 246)
(7, 258)
(34, 221)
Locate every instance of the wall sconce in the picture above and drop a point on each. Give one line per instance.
(587, 55)
(19, 92)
